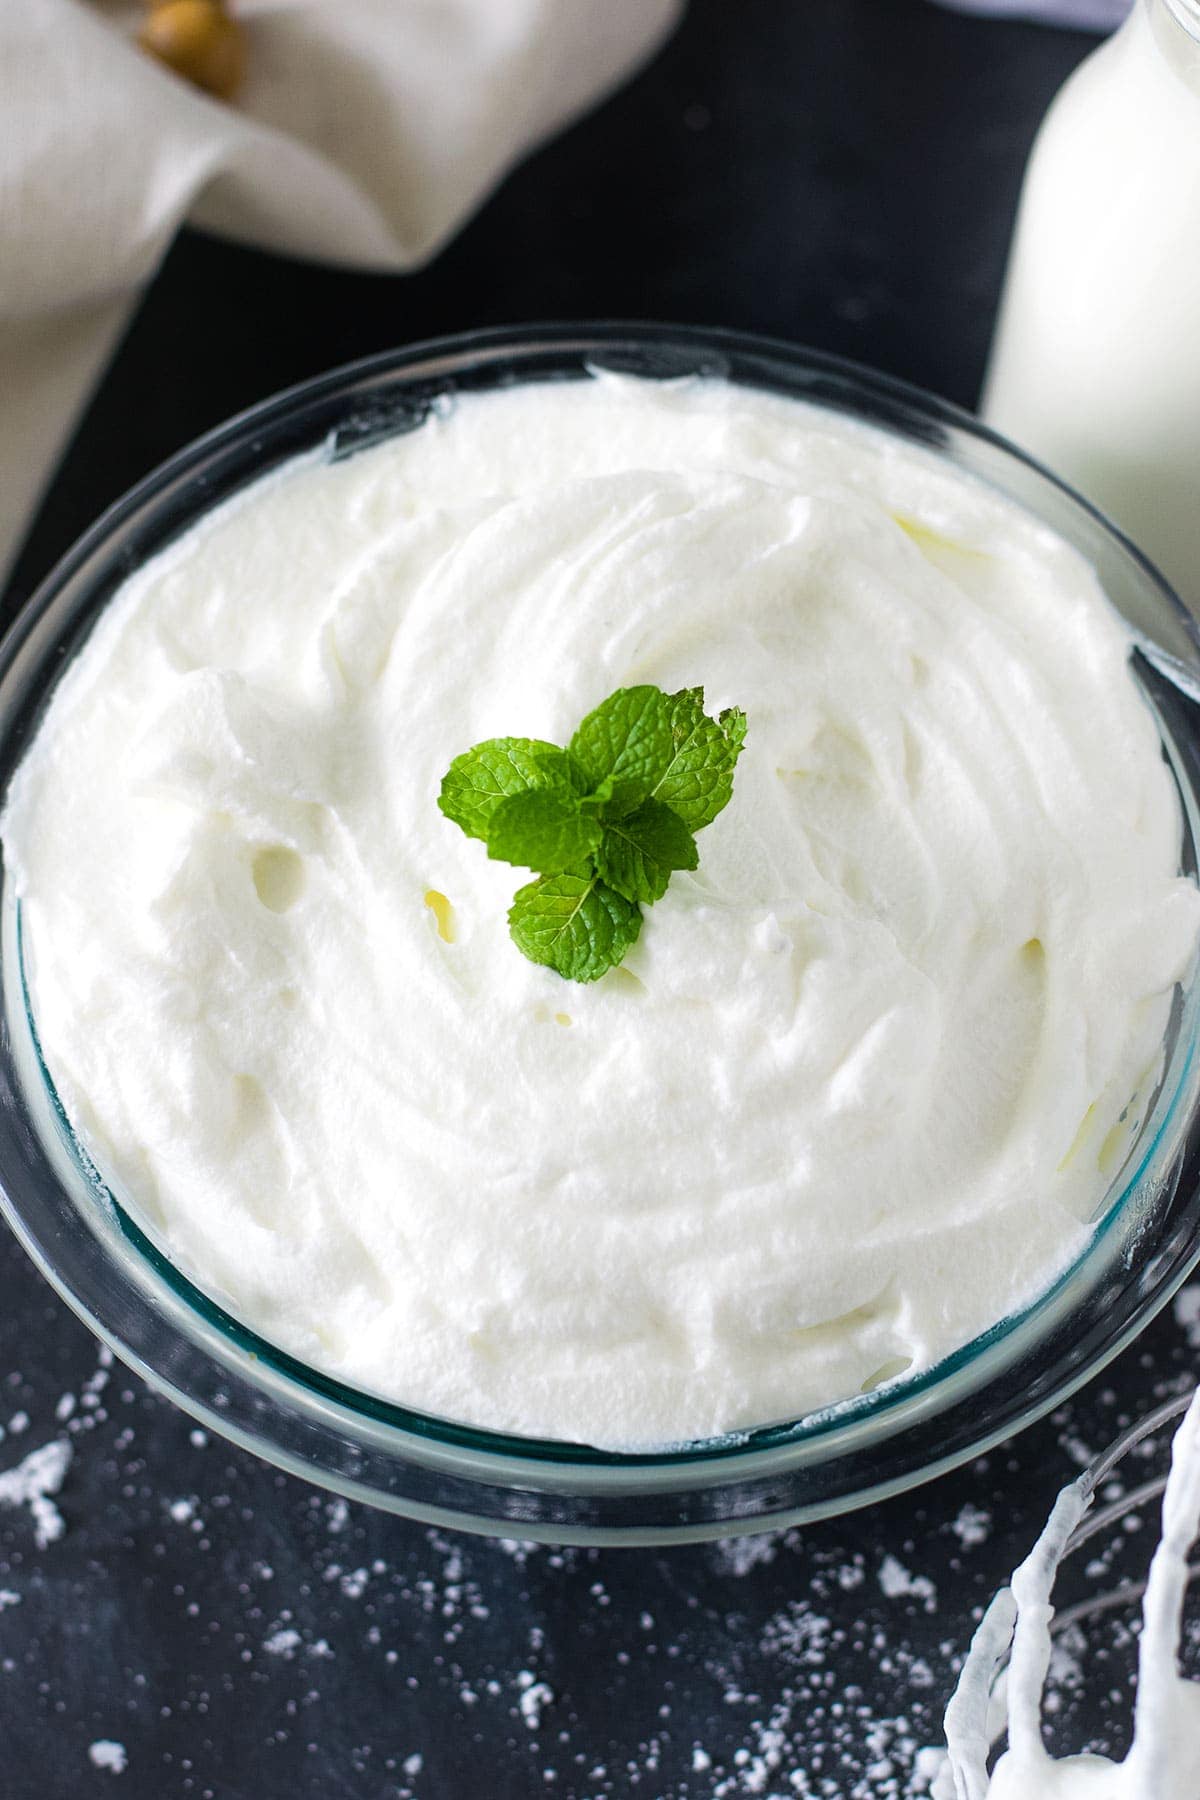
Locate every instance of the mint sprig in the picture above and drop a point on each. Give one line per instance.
(492, 772)
(639, 853)
(544, 828)
(576, 924)
(604, 823)
(698, 780)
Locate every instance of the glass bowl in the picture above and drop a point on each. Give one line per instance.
(1147, 1229)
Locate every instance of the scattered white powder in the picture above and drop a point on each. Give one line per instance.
(797, 1634)
(106, 1753)
(535, 1695)
(1068, 1654)
(520, 1549)
(31, 1484)
(1187, 1314)
(972, 1527)
(820, 1672)
(1080, 1453)
(738, 1555)
(756, 1764)
(898, 1584)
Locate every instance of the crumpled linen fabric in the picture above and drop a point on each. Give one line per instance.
(366, 133)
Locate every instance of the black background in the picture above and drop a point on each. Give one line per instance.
(836, 172)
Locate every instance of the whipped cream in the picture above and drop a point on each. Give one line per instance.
(857, 1090)
(1164, 1759)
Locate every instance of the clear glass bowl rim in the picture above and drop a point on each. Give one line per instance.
(196, 1350)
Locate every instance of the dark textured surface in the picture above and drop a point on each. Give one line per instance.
(840, 172)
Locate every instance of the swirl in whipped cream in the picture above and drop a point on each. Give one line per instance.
(857, 1090)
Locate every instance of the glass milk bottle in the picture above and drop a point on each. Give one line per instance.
(1096, 361)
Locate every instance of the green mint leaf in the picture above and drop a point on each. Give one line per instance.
(478, 780)
(698, 779)
(560, 770)
(639, 852)
(543, 829)
(573, 923)
(604, 823)
(625, 747)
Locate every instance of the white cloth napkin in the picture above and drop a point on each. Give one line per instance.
(366, 132)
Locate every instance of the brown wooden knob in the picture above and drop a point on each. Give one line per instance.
(198, 40)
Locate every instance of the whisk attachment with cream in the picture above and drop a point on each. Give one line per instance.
(1001, 1686)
